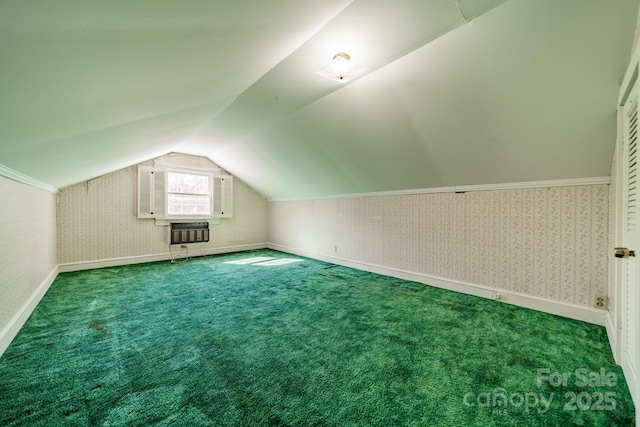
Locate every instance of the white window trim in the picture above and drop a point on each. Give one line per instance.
(190, 171)
(158, 208)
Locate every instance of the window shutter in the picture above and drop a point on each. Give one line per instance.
(159, 193)
(223, 196)
(632, 167)
(145, 197)
(151, 193)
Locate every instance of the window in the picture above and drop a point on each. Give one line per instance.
(173, 192)
(188, 194)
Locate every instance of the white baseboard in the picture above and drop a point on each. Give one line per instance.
(9, 331)
(114, 262)
(572, 311)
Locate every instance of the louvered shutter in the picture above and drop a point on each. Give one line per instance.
(632, 171)
(630, 291)
(145, 196)
(159, 194)
(151, 193)
(223, 196)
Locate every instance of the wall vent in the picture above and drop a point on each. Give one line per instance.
(189, 232)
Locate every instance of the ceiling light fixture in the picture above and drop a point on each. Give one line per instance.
(341, 68)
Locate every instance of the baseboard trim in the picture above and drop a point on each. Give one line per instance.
(572, 311)
(115, 262)
(9, 332)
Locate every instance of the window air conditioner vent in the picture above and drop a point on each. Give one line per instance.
(190, 232)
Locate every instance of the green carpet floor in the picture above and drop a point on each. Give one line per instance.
(213, 343)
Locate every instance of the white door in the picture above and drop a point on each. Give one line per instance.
(629, 238)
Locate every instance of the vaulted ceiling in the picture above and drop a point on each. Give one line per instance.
(457, 92)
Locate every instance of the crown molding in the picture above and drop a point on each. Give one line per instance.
(604, 180)
(24, 179)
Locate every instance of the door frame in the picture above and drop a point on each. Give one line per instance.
(615, 316)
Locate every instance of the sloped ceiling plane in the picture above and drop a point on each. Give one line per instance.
(456, 92)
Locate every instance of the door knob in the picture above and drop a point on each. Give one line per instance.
(624, 253)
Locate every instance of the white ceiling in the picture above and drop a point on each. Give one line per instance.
(458, 92)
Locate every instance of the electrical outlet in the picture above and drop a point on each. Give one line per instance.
(496, 296)
(601, 302)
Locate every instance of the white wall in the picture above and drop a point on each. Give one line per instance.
(548, 243)
(97, 221)
(27, 252)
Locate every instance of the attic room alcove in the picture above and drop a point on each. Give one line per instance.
(97, 221)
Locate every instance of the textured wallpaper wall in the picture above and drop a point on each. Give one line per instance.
(27, 244)
(546, 242)
(97, 219)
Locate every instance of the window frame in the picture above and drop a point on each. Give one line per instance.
(193, 172)
(153, 198)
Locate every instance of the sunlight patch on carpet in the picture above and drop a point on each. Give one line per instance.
(249, 260)
(283, 261)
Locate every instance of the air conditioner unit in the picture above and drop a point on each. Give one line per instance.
(189, 232)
